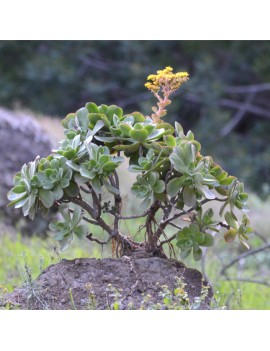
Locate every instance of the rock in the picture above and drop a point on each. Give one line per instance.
(22, 139)
(112, 283)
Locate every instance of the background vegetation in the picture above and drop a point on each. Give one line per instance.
(226, 104)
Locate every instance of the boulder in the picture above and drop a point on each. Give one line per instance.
(124, 283)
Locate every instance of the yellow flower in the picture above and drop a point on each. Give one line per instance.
(166, 79)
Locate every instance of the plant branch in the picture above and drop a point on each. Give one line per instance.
(243, 89)
(92, 213)
(91, 238)
(129, 217)
(259, 111)
(86, 219)
(85, 190)
(244, 255)
(117, 200)
(167, 240)
(88, 208)
(224, 225)
(96, 200)
(152, 237)
(236, 119)
(168, 221)
(175, 226)
(90, 221)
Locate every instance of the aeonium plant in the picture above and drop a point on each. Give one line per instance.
(174, 180)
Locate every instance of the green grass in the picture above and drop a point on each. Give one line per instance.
(244, 296)
(37, 254)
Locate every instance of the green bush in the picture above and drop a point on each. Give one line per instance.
(174, 179)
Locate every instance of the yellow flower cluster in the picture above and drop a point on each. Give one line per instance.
(166, 79)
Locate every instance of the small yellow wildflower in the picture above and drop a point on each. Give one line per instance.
(166, 79)
(168, 82)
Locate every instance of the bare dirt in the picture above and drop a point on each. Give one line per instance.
(100, 283)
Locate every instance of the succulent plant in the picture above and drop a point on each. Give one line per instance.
(174, 180)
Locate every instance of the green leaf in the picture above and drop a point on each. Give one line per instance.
(64, 210)
(170, 140)
(230, 219)
(125, 129)
(185, 253)
(227, 181)
(91, 107)
(46, 197)
(82, 115)
(19, 189)
(72, 190)
(190, 152)
(197, 254)
(64, 182)
(167, 126)
(103, 108)
(178, 161)
(179, 129)
(149, 128)
(66, 120)
(152, 177)
(175, 186)
(193, 228)
(15, 197)
(70, 154)
(76, 216)
(80, 231)
(159, 186)
(135, 168)
(105, 139)
(65, 243)
(190, 135)
(28, 204)
(109, 187)
(95, 117)
(156, 134)
(189, 196)
(103, 159)
(199, 237)
(97, 127)
(137, 116)
(58, 192)
(161, 197)
(96, 184)
(243, 197)
(139, 135)
(114, 110)
(207, 193)
(87, 174)
(129, 148)
(73, 165)
(210, 180)
(19, 202)
(208, 240)
(110, 166)
(146, 202)
(243, 241)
